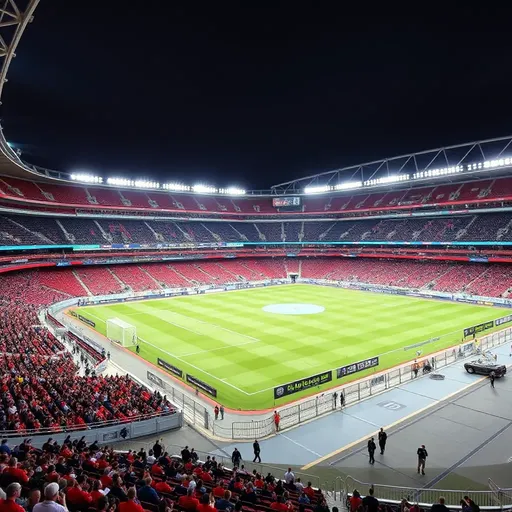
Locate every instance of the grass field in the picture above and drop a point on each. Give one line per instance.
(229, 342)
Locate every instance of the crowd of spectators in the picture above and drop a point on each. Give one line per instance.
(80, 478)
(41, 387)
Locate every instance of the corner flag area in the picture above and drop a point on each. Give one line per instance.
(239, 347)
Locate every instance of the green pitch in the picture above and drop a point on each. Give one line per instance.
(227, 341)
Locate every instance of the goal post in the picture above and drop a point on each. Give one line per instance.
(121, 332)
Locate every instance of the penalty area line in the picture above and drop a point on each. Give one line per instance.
(193, 366)
(219, 348)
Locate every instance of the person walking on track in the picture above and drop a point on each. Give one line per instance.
(383, 437)
(371, 450)
(257, 451)
(422, 459)
(492, 376)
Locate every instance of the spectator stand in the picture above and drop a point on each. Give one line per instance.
(249, 466)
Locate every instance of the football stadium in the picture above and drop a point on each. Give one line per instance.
(339, 341)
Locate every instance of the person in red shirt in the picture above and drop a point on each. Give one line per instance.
(163, 486)
(206, 477)
(206, 503)
(279, 505)
(355, 501)
(188, 502)
(218, 491)
(309, 491)
(131, 505)
(13, 492)
(76, 496)
(277, 420)
(96, 494)
(52, 475)
(105, 479)
(157, 470)
(16, 474)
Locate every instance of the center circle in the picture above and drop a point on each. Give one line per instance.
(293, 309)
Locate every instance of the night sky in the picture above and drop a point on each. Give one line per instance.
(244, 94)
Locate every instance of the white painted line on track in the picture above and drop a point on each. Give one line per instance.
(300, 445)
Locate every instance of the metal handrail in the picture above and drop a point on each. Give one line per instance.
(81, 428)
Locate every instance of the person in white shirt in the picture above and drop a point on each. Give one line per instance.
(299, 485)
(150, 459)
(51, 499)
(289, 477)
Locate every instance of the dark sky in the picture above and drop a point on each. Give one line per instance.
(240, 93)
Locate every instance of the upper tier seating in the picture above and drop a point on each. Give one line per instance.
(27, 230)
(94, 196)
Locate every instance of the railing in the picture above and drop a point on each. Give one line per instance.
(77, 428)
(494, 498)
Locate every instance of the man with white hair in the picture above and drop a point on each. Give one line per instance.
(53, 501)
(13, 492)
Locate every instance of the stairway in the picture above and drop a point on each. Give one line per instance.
(123, 284)
(82, 283)
(69, 236)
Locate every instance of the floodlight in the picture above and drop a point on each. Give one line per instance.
(204, 189)
(146, 184)
(348, 185)
(232, 191)
(319, 189)
(177, 187)
(86, 178)
(121, 182)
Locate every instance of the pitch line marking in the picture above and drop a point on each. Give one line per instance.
(192, 365)
(185, 362)
(220, 348)
(195, 320)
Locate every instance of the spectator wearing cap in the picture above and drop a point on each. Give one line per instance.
(13, 492)
(53, 502)
(130, 505)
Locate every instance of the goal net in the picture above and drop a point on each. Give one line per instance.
(121, 332)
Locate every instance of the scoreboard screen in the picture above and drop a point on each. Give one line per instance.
(283, 202)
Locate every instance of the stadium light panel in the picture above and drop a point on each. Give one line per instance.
(176, 187)
(395, 178)
(203, 189)
(86, 178)
(319, 189)
(348, 185)
(121, 182)
(146, 184)
(232, 191)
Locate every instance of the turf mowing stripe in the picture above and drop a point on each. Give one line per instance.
(193, 366)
